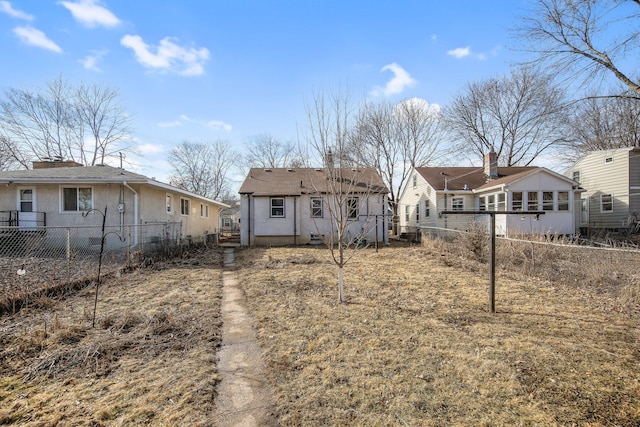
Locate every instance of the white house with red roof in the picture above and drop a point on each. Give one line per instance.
(432, 190)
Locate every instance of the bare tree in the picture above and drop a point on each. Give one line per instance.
(346, 190)
(394, 138)
(266, 151)
(104, 119)
(51, 123)
(586, 38)
(519, 116)
(605, 123)
(202, 168)
(7, 150)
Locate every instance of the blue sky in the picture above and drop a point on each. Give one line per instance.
(207, 70)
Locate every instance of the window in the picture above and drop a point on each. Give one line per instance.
(415, 181)
(457, 203)
(204, 210)
(316, 207)
(491, 202)
(516, 201)
(226, 222)
(406, 214)
(185, 207)
(277, 207)
(547, 200)
(426, 208)
(352, 207)
(608, 160)
(418, 213)
(502, 202)
(77, 199)
(532, 201)
(606, 203)
(482, 203)
(563, 200)
(169, 204)
(576, 176)
(26, 200)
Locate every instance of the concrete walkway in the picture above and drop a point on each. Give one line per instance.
(243, 398)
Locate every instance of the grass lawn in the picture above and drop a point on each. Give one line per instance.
(416, 344)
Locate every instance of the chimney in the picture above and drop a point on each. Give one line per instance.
(491, 164)
(329, 159)
(56, 164)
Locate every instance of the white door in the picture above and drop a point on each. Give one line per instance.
(27, 216)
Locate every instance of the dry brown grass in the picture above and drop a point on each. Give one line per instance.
(416, 344)
(150, 359)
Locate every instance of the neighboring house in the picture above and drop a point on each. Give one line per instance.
(431, 190)
(611, 179)
(230, 217)
(291, 206)
(56, 194)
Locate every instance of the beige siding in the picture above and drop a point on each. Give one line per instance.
(599, 178)
(412, 196)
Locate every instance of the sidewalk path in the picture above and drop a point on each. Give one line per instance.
(243, 398)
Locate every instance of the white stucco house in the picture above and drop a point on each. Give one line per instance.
(291, 206)
(431, 190)
(58, 193)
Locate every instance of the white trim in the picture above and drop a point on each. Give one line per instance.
(612, 200)
(34, 203)
(77, 187)
(182, 206)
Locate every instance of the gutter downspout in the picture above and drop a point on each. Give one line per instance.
(135, 212)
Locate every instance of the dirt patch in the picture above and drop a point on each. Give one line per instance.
(151, 359)
(416, 344)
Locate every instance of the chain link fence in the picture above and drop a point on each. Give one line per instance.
(610, 268)
(36, 261)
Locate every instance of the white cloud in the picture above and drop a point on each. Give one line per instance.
(463, 52)
(170, 124)
(401, 80)
(35, 37)
(213, 124)
(90, 62)
(90, 14)
(168, 56)
(150, 149)
(218, 125)
(5, 7)
(460, 52)
(414, 104)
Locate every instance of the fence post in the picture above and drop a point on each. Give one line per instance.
(68, 257)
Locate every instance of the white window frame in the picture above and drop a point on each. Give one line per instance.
(482, 203)
(602, 203)
(457, 203)
(353, 207)
(77, 188)
(317, 205)
(407, 214)
(491, 202)
(608, 160)
(548, 205)
(185, 206)
(169, 204)
(535, 199)
(517, 205)
(576, 176)
(502, 202)
(204, 210)
(21, 191)
(418, 213)
(427, 208)
(276, 207)
(563, 205)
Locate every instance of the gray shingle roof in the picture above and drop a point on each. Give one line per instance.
(102, 173)
(296, 181)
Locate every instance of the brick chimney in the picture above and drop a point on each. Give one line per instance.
(491, 164)
(56, 164)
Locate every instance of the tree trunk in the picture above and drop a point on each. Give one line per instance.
(341, 284)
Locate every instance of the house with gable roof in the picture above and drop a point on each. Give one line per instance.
(58, 193)
(611, 179)
(431, 190)
(290, 206)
